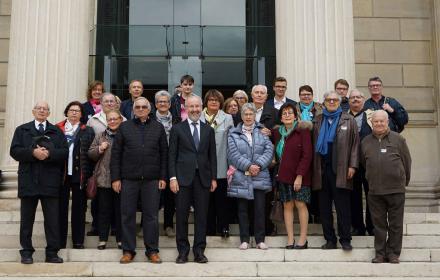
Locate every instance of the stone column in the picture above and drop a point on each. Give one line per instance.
(314, 43)
(48, 60)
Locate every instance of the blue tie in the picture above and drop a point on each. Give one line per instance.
(196, 135)
(41, 128)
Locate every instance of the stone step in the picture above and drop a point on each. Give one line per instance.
(228, 254)
(228, 278)
(223, 269)
(409, 242)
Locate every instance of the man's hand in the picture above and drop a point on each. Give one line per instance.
(266, 131)
(388, 108)
(254, 170)
(174, 186)
(351, 172)
(116, 186)
(213, 185)
(162, 184)
(40, 153)
(298, 183)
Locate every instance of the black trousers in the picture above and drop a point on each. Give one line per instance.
(78, 212)
(357, 212)
(197, 195)
(341, 197)
(149, 192)
(387, 215)
(259, 217)
(169, 207)
(28, 207)
(109, 206)
(219, 213)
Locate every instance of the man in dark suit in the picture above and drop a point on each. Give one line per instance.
(279, 98)
(41, 150)
(193, 172)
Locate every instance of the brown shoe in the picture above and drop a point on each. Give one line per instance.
(393, 259)
(126, 258)
(378, 259)
(154, 258)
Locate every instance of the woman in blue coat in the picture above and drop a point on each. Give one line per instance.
(249, 155)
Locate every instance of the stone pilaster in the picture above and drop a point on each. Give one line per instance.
(48, 60)
(314, 43)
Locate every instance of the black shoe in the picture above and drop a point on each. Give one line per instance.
(328, 246)
(290, 247)
(101, 247)
(78, 246)
(301, 247)
(358, 232)
(181, 259)
(27, 260)
(93, 232)
(225, 233)
(370, 232)
(200, 258)
(113, 232)
(346, 246)
(54, 259)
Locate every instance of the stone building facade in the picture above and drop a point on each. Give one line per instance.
(44, 48)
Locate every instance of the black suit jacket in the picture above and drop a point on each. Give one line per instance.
(183, 155)
(270, 102)
(269, 117)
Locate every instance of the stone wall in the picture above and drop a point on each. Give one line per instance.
(5, 19)
(396, 40)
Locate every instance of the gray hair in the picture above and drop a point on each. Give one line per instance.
(263, 86)
(378, 113)
(240, 93)
(162, 93)
(142, 98)
(41, 102)
(248, 106)
(357, 91)
(107, 94)
(332, 92)
(194, 96)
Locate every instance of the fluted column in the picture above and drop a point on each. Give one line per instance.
(314, 43)
(48, 60)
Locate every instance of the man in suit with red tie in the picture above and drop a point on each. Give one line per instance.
(193, 172)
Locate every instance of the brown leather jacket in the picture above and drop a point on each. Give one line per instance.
(345, 152)
(102, 167)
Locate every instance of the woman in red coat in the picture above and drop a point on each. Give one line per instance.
(293, 151)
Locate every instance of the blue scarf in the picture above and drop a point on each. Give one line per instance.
(284, 133)
(328, 131)
(305, 111)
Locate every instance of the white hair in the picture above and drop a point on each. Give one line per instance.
(263, 86)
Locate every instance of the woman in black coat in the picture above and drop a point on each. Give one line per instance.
(93, 104)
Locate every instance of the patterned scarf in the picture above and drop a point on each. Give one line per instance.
(327, 132)
(247, 131)
(305, 111)
(284, 134)
(96, 104)
(166, 121)
(210, 119)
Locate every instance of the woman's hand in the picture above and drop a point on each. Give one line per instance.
(102, 147)
(298, 183)
(254, 170)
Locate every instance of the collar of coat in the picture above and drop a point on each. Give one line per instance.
(62, 125)
(239, 127)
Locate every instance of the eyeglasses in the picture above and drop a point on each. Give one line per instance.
(287, 113)
(375, 85)
(41, 109)
(113, 120)
(306, 94)
(109, 102)
(240, 97)
(162, 102)
(74, 111)
(356, 97)
(332, 100)
(143, 107)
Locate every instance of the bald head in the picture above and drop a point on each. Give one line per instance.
(41, 111)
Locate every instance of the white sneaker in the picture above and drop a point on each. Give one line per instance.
(244, 246)
(169, 231)
(262, 246)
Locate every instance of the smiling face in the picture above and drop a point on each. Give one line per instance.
(331, 102)
(163, 105)
(280, 89)
(248, 117)
(114, 120)
(375, 88)
(305, 97)
(379, 121)
(136, 88)
(259, 96)
(41, 111)
(288, 116)
(141, 108)
(97, 92)
(193, 106)
(356, 101)
(108, 103)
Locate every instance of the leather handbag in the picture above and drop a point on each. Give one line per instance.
(91, 187)
(277, 211)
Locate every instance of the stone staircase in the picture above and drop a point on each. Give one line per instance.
(420, 257)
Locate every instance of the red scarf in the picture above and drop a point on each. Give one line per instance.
(96, 104)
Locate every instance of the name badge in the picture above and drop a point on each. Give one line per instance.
(343, 127)
(383, 150)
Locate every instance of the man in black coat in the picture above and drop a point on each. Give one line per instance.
(139, 169)
(41, 150)
(193, 172)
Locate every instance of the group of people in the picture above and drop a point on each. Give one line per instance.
(214, 156)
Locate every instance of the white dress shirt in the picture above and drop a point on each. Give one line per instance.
(259, 113)
(37, 123)
(191, 126)
(277, 104)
